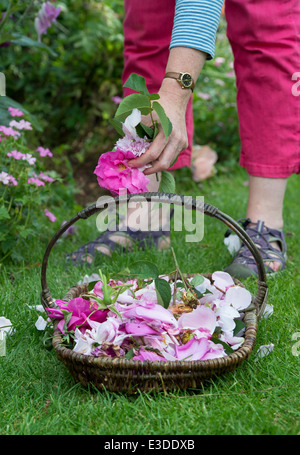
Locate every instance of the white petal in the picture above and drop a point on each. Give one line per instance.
(264, 350)
(268, 311)
(240, 298)
(40, 323)
(5, 325)
(131, 122)
(233, 243)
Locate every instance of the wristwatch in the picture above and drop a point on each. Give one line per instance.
(184, 79)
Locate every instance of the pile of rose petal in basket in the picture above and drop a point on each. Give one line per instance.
(196, 319)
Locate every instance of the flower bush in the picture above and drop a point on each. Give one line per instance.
(147, 316)
(67, 80)
(26, 194)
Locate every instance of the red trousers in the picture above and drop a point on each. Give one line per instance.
(265, 40)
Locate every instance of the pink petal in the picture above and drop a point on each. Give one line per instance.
(201, 318)
(222, 280)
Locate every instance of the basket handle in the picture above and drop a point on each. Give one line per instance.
(189, 203)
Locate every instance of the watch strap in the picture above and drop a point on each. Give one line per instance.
(177, 76)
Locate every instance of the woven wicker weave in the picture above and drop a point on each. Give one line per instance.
(124, 375)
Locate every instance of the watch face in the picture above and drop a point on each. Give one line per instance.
(186, 80)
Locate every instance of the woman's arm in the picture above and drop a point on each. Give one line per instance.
(163, 152)
(192, 42)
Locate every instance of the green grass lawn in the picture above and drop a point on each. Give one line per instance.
(39, 397)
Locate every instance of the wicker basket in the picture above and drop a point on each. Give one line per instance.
(124, 375)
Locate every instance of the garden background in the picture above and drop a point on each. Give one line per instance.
(68, 85)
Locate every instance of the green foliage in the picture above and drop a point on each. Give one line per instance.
(146, 103)
(69, 89)
(23, 204)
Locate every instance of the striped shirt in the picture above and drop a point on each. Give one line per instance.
(195, 24)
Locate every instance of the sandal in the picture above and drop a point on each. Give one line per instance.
(106, 243)
(244, 265)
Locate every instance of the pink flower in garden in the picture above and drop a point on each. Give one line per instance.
(21, 125)
(15, 112)
(230, 74)
(7, 179)
(46, 177)
(44, 152)
(50, 215)
(114, 174)
(46, 16)
(71, 230)
(116, 99)
(4, 178)
(8, 131)
(219, 60)
(16, 155)
(204, 96)
(29, 158)
(35, 181)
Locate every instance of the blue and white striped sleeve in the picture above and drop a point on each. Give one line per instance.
(195, 24)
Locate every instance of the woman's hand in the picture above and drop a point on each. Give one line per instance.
(163, 152)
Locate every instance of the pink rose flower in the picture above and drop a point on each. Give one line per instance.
(114, 174)
(82, 311)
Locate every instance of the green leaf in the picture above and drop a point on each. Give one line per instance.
(101, 304)
(144, 269)
(197, 280)
(91, 285)
(137, 83)
(239, 325)
(154, 96)
(130, 354)
(136, 100)
(226, 346)
(67, 316)
(25, 232)
(163, 292)
(117, 124)
(4, 215)
(165, 122)
(25, 41)
(167, 183)
(144, 130)
(114, 310)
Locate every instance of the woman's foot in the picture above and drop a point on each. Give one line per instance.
(271, 245)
